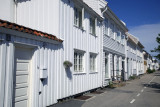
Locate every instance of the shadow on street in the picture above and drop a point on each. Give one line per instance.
(70, 103)
(157, 74)
(154, 85)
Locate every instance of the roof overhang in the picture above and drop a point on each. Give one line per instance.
(88, 8)
(110, 13)
(22, 31)
(139, 43)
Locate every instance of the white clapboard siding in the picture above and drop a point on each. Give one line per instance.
(41, 15)
(113, 45)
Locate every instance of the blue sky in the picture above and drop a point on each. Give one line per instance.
(142, 18)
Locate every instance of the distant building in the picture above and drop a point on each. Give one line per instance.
(135, 60)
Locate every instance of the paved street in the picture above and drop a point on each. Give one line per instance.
(143, 92)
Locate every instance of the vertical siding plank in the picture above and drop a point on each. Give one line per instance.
(2, 71)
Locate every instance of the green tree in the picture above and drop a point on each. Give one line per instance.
(157, 49)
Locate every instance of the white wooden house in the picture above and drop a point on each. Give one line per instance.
(114, 42)
(44, 80)
(114, 46)
(140, 59)
(135, 59)
(80, 28)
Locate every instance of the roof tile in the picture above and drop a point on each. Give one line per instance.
(24, 29)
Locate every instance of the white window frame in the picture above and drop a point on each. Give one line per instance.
(78, 17)
(92, 25)
(118, 35)
(123, 39)
(78, 61)
(93, 62)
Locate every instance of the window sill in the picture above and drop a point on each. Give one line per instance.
(107, 78)
(93, 34)
(118, 42)
(113, 38)
(106, 35)
(78, 73)
(93, 72)
(81, 28)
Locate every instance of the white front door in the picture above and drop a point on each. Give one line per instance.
(21, 77)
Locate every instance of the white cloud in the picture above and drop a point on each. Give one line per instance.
(147, 35)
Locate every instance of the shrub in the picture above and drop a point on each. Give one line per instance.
(110, 84)
(132, 77)
(150, 71)
(154, 70)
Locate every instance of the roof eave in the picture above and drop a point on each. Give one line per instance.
(117, 20)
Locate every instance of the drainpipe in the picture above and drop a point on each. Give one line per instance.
(102, 46)
(15, 11)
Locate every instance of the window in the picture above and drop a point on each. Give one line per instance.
(106, 27)
(92, 26)
(78, 61)
(112, 30)
(92, 62)
(123, 39)
(78, 17)
(118, 35)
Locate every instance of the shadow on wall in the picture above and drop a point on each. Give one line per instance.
(52, 48)
(68, 73)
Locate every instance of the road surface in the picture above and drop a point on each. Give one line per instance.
(143, 92)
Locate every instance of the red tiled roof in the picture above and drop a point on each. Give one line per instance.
(24, 29)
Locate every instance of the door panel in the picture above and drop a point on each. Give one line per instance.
(21, 77)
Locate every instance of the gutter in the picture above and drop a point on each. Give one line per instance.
(104, 9)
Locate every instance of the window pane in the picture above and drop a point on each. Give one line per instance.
(106, 27)
(92, 62)
(112, 30)
(94, 29)
(80, 18)
(75, 61)
(78, 62)
(91, 26)
(75, 16)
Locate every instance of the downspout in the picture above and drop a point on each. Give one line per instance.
(15, 11)
(105, 9)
